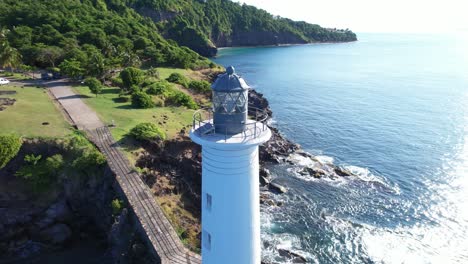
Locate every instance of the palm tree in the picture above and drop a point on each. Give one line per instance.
(9, 56)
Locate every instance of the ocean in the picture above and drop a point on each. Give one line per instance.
(393, 109)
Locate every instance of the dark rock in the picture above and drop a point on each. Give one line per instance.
(56, 234)
(342, 172)
(294, 257)
(138, 249)
(59, 211)
(278, 188)
(314, 172)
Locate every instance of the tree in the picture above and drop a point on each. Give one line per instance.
(9, 147)
(94, 85)
(49, 55)
(142, 100)
(131, 76)
(72, 68)
(9, 56)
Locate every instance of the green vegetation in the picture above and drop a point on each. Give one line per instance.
(142, 100)
(131, 76)
(200, 25)
(117, 206)
(77, 156)
(179, 79)
(9, 147)
(200, 86)
(160, 88)
(110, 107)
(94, 85)
(179, 98)
(147, 131)
(41, 173)
(90, 37)
(33, 114)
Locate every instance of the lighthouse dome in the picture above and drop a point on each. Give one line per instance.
(229, 81)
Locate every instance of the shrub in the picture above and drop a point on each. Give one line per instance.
(147, 131)
(94, 85)
(142, 100)
(200, 86)
(160, 88)
(89, 158)
(117, 81)
(117, 206)
(41, 174)
(131, 76)
(178, 78)
(153, 72)
(9, 147)
(181, 99)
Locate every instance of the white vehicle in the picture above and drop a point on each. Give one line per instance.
(4, 81)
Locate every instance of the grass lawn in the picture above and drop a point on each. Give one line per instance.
(33, 106)
(166, 72)
(109, 107)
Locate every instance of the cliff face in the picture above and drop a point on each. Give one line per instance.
(205, 25)
(258, 38)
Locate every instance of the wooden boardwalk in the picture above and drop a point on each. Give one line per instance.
(154, 226)
(157, 228)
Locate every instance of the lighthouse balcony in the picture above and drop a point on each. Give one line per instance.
(255, 128)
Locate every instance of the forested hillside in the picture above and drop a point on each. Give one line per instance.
(92, 37)
(89, 36)
(204, 25)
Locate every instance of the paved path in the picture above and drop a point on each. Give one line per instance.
(155, 226)
(81, 114)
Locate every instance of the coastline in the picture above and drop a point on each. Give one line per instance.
(286, 45)
(172, 170)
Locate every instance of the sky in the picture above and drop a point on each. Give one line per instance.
(415, 16)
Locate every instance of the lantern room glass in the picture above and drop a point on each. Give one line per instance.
(230, 102)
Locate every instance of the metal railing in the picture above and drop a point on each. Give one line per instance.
(256, 124)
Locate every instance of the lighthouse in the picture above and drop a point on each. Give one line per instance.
(230, 134)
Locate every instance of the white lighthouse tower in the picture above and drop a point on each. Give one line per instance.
(230, 169)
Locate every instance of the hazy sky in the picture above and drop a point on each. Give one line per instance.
(374, 15)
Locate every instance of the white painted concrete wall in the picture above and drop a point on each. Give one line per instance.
(230, 176)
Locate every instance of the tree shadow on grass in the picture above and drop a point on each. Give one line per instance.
(127, 107)
(110, 91)
(129, 144)
(79, 96)
(120, 100)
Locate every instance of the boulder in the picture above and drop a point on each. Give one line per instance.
(294, 257)
(342, 172)
(278, 188)
(56, 234)
(59, 211)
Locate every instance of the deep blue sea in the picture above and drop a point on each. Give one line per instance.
(393, 108)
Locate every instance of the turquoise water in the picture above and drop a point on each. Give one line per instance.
(393, 109)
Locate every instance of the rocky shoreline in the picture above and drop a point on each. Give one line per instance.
(174, 168)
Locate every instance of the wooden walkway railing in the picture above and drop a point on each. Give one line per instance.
(155, 226)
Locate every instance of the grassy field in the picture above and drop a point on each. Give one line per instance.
(109, 107)
(32, 108)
